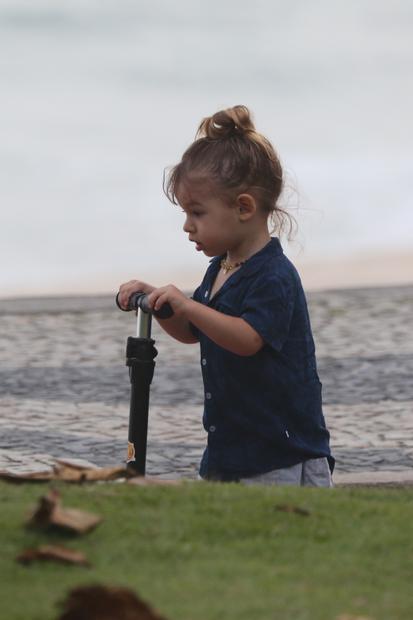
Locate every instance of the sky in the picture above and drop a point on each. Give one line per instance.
(99, 97)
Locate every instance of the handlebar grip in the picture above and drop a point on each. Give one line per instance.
(139, 300)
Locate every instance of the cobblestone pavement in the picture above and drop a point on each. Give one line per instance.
(64, 388)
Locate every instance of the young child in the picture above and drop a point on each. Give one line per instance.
(263, 410)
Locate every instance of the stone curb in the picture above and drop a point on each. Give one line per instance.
(374, 478)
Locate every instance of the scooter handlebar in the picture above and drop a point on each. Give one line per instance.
(139, 301)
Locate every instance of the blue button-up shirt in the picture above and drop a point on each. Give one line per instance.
(261, 412)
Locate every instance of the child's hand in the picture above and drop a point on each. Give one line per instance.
(133, 286)
(172, 295)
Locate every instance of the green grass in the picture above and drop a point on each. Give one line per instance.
(222, 551)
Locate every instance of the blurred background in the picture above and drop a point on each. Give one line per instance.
(98, 97)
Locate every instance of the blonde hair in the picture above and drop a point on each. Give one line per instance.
(230, 154)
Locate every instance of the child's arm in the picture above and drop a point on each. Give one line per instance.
(178, 327)
(229, 332)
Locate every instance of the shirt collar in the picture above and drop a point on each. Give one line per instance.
(255, 262)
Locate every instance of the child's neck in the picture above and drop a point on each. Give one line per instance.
(247, 248)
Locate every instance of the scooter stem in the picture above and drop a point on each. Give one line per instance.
(140, 355)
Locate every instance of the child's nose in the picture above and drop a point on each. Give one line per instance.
(188, 226)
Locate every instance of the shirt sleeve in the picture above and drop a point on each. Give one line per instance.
(268, 307)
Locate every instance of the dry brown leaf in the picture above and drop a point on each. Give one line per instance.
(106, 603)
(75, 463)
(350, 617)
(144, 481)
(70, 472)
(53, 553)
(50, 513)
(75, 474)
(293, 509)
(40, 476)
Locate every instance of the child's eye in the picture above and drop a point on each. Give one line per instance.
(193, 213)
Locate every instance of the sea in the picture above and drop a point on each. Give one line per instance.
(100, 97)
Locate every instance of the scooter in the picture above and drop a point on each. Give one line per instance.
(140, 355)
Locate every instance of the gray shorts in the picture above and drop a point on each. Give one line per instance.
(311, 473)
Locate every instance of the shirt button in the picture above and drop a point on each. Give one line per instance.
(208, 395)
(206, 293)
(204, 362)
(212, 429)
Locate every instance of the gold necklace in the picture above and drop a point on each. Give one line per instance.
(226, 266)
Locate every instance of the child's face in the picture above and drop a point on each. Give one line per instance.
(210, 222)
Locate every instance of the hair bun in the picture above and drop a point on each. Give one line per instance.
(227, 123)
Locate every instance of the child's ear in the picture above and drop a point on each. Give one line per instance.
(246, 206)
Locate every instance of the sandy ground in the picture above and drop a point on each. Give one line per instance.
(370, 269)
